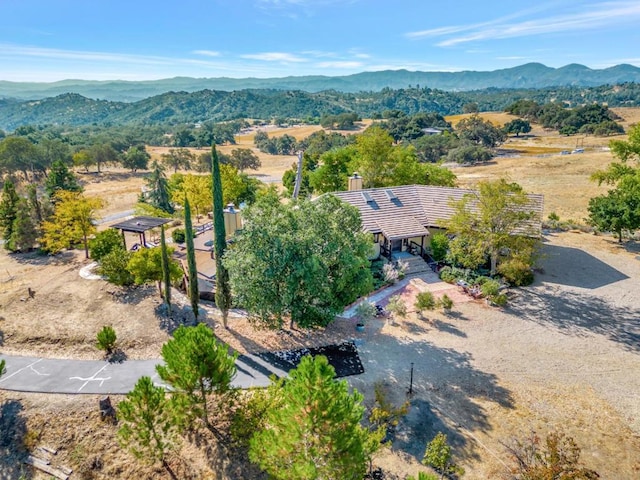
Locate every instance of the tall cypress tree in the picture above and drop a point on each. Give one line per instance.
(8, 211)
(194, 295)
(223, 289)
(166, 272)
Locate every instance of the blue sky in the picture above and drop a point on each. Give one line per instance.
(48, 40)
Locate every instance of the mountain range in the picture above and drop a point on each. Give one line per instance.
(527, 76)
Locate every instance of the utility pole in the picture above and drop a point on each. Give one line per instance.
(296, 188)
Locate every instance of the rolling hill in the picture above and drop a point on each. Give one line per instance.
(530, 75)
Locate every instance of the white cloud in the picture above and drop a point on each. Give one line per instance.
(340, 64)
(206, 53)
(11, 50)
(589, 17)
(274, 57)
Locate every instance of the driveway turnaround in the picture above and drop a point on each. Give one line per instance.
(46, 375)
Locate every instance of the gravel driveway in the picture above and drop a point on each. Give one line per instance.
(565, 354)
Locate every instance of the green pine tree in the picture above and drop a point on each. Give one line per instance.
(166, 271)
(148, 429)
(24, 234)
(159, 195)
(196, 365)
(314, 431)
(223, 289)
(194, 295)
(8, 211)
(61, 178)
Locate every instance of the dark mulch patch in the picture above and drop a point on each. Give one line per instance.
(343, 357)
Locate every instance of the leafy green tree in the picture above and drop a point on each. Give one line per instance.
(196, 365)
(469, 154)
(8, 211)
(439, 243)
(17, 154)
(223, 286)
(178, 158)
(3, 368)
(517, 126)
(54, 150)
(627, 149)
(556, 457)
(136, 158)
(24, 234)
(73, 221)
(159, 195)
(243, 158)
(195, 188)
(148, 429)
(373, 159)
(480, 132)
(619, 210)
(114, 266)
(304, 261)
(314, 430)
(433, 148)
(146, 266)
(166, 270)
(61, 178)
(103, 153)
(438, 455)
(183, 137)
(105, 242)
(192, 270)
(498, 216)
(331, 175)
(83, 158)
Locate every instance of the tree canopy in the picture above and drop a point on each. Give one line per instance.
(313, 430)
(196, 364)
(304, 261)
(73, 221)
(494, 219)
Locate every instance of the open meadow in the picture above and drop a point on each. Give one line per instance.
(563, 355)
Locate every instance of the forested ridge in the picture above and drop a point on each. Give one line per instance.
(211, 105)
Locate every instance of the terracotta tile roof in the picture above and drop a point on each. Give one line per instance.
(408, 210)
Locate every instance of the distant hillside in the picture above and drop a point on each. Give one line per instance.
(215, 106)
(530, 75)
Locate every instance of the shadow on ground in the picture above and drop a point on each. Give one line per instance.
(39, 258)
(180, 315)
(134, 294)
(13, 431)
(576, 268)
(579, 314)
(448, 391)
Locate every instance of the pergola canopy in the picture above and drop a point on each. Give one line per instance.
(140, 224)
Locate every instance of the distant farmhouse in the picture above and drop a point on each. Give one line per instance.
(402, 219)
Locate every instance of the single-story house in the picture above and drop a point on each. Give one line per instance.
(403, 218)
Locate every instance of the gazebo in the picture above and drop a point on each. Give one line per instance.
(140, 225)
